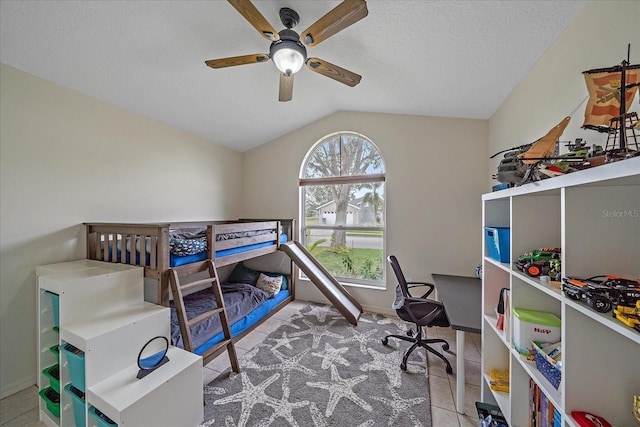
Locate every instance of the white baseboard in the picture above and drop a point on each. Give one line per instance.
(8, 390)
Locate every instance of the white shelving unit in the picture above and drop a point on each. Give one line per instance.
(594, 216)
(102, 312)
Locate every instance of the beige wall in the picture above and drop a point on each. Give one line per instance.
(67, 158)
(555, 88)
(435, 169)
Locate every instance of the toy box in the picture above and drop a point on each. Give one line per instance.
(533, 325)
(52, 399)
(53, 373)
(77, 399)
(497, 240)
(55, 306)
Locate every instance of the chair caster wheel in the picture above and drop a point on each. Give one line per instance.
(409, 333)
(445, 347)
(403, 366)
(385, 341)
(449, 370)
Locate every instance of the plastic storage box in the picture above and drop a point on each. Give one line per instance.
(547, 366)
(55, 349)
(55, 305)
(75, 357)
(77, 399)
(53, 373)
(533, 325)
(490, 415)
(52, 399)
(497, 240)
(102, 419)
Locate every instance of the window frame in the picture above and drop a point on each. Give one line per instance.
(379, 284)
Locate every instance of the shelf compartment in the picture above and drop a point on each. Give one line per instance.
(602, 362)
(606, 319)
(501, 398)
(129, 401)
(491, 322)
(612, 211)
(530, 368)
(538, 284)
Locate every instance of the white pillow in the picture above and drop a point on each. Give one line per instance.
(269, 284)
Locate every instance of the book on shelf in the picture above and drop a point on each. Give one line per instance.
(542, 412)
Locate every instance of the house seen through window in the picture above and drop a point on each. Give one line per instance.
(343, 207)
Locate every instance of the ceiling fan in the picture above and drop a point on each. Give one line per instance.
(288, 50)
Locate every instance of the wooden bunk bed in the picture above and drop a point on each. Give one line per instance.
(160, 247)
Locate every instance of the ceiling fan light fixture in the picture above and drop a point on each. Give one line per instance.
(288, 53)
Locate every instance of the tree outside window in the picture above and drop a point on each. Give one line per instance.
(342, 201)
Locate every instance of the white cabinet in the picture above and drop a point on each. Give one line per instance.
(102, 313)
(594, 216)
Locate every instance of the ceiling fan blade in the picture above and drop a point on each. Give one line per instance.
(333, 71)
(286, 87)
(255, 18)
(237, 60)
(337, 19)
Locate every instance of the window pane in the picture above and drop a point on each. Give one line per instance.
(360, 258)
(344, 155)
(355, 204)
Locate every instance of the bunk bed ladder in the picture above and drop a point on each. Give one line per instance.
(177, 290)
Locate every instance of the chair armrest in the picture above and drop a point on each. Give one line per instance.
(431, 287)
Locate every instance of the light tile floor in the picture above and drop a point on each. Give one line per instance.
(21, 409)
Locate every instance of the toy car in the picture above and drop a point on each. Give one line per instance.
(540, 262)
(630, 316)
(603, 292)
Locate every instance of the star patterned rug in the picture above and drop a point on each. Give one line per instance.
(318, 370)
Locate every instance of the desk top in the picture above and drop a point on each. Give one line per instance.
(462, 299)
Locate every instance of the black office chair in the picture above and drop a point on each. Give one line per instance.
(419, 311)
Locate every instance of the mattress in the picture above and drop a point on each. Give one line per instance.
(245, 305)
(178, 260)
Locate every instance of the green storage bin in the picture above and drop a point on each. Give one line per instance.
(52, 399)
(56, 351)
(53, 373)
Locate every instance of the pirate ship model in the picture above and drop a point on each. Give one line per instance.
(611, 93)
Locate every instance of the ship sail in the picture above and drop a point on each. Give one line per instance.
(605, 87)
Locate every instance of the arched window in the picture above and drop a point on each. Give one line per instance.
(342, 196)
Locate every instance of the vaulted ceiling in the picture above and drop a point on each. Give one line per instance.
(437, 58)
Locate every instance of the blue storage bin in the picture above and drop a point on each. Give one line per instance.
(102, 419)
(55, 304)
(75, 357)
(77, 398)
(497, 240)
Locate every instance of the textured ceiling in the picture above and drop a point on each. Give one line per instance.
(437, 58)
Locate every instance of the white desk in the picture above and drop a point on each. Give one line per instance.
(462, 300)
